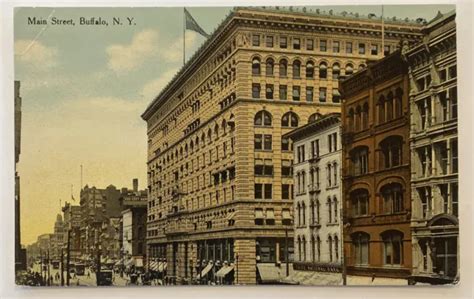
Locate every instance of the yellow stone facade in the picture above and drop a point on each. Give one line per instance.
(202, 201)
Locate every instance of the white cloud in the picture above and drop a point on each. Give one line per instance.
(35, 54)
(153, 87)
(174, 53)
(129, 57)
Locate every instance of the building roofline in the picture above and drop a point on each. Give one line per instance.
(316, 126)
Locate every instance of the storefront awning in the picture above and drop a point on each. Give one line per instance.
(205, 270)
(269, 273)
(138, 262)
(153, 266)
(224, 271)
(128, 263)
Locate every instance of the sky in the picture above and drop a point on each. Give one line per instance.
(84, 88)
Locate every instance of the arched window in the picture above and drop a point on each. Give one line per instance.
(391, 149)
(318, 247)
(283, 68)
(209, 135)
(350, 119)
(309, 70)
(191, 146)
(223, 126)
(312, 207)
(263, 118)
(329, 205)
(360, 246)
(216, 131)
(362, 66)
(298, 209)
(303, 207)
(313, 249)
(365, 116)
(203, 139)
(336, 248)
(314, 117)
(303, 240)
(330, 248)
(197, 142)
(359, 160)
(381, 109)
(392, 247)
(323, 70)
(360, 202)
(389, 106)
(256, 66)
(398, 102)
(269, 66)
(299, 249)
(289, 119)
(296, 69)
(392, 198)
(349, 69)
(358, 118)
(336, 71)
(335, 207)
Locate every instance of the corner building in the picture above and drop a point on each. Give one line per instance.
(434, 153)
(376, 171)
(219, 197)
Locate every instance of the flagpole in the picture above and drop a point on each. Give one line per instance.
(184, 35)
(383, 34)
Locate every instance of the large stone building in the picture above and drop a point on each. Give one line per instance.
(317, 202)
(376, 170)
(434, 152)
(58, 238)
(72, 225)
(217, 189)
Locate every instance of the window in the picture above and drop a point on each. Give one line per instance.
(263, 167)
(263, 142)
(332, 141)
(283, 68)
(323, 45)
(349, 47)
(296, 69)
(323, 70)
(310, 44)
(336, 211)
(269, 66)
(336, 71)
(283, 92)
(269, 41)
(445, 256)
(300, 153)
(256, 91)
(329, 205)
(424, 194)
(296, 93)
(361, 48)
(360, 202)
(287, 168)
(263, 191)
(391, 149)
(392, 195)
(296, 44)
(315, 148)
(359, 158)
(393, 247)
(349, 69)
(309, 70)
(269, 91)
(453, 98)
(374, 50)
(328, 172)
(336, 48)
(256, 66)
(263, 118)
(286, 144)
(454, 155)
(255, 40)
(289, 119)
(314, 117)
(360, 244)
(283, 42)
(322, 94)
(452, 72)
(286, 191)
(309, 94)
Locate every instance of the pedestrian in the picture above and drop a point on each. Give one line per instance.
(88, 274)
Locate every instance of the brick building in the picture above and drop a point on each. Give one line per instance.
(218, 194)
(376, 170)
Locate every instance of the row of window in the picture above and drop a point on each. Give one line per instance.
(436, 110)
(448, 197)
(269, 41)
(297, 68)
(267, 217)
(315, 243)
(444, 74)
(295, 94)
(315, 152)
(391, 200)
(392, 248)
(264, 191)
(315, 212)
(440, 158)
(314, 184)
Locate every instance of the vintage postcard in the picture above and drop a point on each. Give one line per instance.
(296, 145)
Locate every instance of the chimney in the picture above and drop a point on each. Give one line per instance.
(135, 185)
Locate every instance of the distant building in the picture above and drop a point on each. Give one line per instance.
(72, 225)
(376, 171)
(317, 203)
(20, 253)
(58, 238)
(434, 152)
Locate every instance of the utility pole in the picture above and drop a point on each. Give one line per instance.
(68, 258)
(41, 269)
(49, 273)
(97, 272)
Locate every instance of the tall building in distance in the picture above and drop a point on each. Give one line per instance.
(434, 152)
(376, 170)
(317, 202)
(218, 193)
(72, 230)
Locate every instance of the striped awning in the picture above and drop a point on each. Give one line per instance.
(153, 266)
(224, 271)
(205, 270)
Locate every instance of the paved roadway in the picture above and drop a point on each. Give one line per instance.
(78, 280)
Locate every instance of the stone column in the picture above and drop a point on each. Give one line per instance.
(245, 261)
